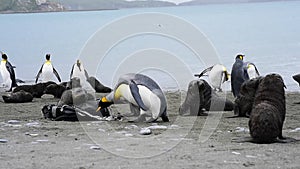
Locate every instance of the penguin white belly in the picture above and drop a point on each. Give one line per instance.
(47, 73)
(5, 75)
(150, 100)
(215, 76)
(79, 74)
(252, 72)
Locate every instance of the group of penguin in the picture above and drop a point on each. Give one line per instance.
(45, 74)
(144, 95)
(241, 71)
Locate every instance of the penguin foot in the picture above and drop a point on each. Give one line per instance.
(202, 113)
(165, 118)
(151, 120)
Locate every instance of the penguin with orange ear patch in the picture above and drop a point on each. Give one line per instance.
(46, 72)
(8, 73)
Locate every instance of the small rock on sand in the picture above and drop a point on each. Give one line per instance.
(145, 131)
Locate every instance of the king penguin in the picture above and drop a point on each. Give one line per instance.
(251, 69)
(47, 70)
(78, 71)
(241, 72)
(8, 73)
(142, 93)
(217, 75)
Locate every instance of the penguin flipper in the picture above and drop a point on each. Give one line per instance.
(39, 73)
(86, 74)
(11, 71)
(257, 72)
(56, 74)
(71, 74)
(245, 70)
(136, 95)
(204, 71)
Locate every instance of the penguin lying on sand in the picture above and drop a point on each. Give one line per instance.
(46, 72)
(142, 93)
(217, 74)
(8, 73)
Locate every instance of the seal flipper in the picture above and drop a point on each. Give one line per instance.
(136, 95)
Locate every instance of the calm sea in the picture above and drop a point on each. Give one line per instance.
(267, 33)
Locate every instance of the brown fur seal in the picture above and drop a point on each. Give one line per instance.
(244, 101)
(37, 90)
(100, 88)
(201, 97)
(268, 113)
(18, 97)
(55, 89)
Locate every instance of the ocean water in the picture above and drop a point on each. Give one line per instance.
(267, 33)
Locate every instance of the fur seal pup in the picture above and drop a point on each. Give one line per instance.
(55, 89)
(141, 91)
(201, 97)
(18, 97)
(99, 88)
(244, 101)
(37, 90)
(217, 75)
(8, 73)
(269, 109)
(74, 92)
(46, 72)
(74, 96)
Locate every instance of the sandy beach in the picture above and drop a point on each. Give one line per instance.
(30, 141)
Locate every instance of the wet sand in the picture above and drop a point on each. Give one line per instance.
(184, 142)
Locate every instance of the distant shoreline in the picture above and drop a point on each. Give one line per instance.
(108, 9)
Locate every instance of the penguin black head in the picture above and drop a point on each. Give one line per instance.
(4, 56)
(104, 103)
(78, 64)
(47, 56)
(240, 56)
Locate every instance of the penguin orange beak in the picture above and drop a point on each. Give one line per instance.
(99, 108)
